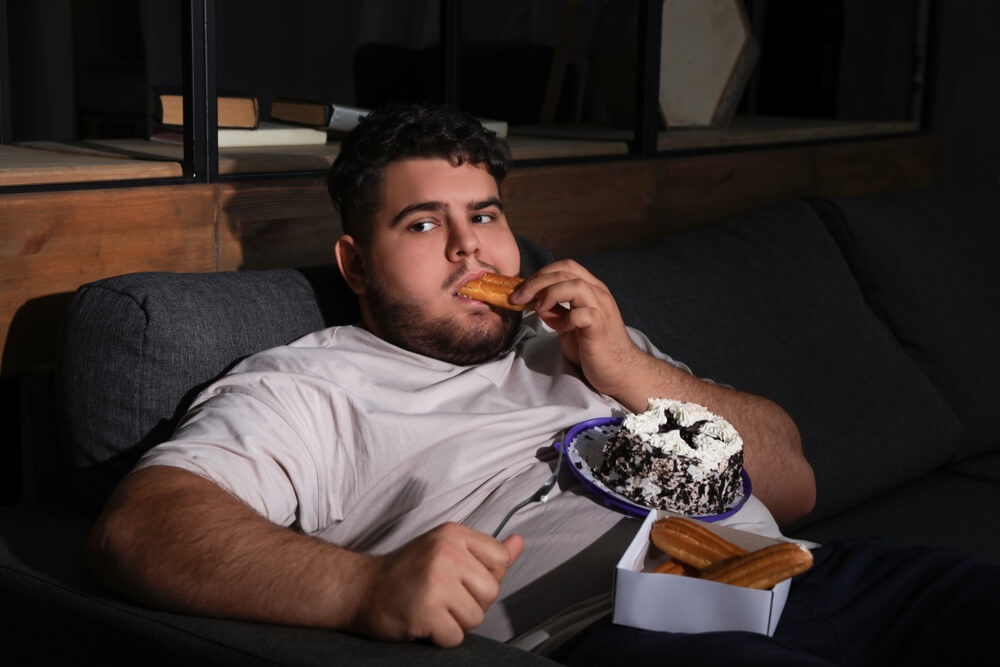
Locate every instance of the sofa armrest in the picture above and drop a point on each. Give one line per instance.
(54, 614)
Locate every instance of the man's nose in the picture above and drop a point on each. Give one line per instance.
(463, 241)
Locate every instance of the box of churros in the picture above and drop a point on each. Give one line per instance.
(683, 575)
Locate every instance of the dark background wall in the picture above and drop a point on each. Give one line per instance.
(87, 68)
(966, 103)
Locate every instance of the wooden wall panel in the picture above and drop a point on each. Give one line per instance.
(580, 209)
(272, 224)
(50, 243)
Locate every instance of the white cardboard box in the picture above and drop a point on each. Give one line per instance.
(668, 602)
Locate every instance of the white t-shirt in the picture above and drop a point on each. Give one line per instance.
(351, 439)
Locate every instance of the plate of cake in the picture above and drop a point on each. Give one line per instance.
(675, 456)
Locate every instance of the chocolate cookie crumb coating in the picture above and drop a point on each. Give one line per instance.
(675, 456)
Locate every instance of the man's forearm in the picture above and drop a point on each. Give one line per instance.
(176, 541)
(772, 447)
(173, 540)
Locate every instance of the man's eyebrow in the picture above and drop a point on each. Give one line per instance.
(417, 206)
(486, 203)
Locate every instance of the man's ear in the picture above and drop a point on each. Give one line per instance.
(351, 260)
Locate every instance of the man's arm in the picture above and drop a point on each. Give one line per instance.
(594, 337)
(174, 540)
(772, 447)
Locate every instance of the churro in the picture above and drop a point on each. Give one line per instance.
(494, 289)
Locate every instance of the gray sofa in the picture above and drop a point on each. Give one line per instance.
(872, 321)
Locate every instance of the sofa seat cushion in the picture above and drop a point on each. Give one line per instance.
(940, 509)
(985, 467)
(928, 264)
(766, 303)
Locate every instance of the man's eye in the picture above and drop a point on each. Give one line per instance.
(422, 226)
(481, 218)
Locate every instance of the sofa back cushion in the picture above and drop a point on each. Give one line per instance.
(928, 263)
(139, 347)
(766, 303)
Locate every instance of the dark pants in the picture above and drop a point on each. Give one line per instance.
(863, 602)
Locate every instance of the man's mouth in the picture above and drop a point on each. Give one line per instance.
(458, 281)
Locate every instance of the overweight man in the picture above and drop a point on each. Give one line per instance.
(352, 479)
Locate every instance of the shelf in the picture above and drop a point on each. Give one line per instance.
(526, 147)
(759, 131)
(241, 160)
(744, 131)
(37, 164)
(47, 162)
(43, 162)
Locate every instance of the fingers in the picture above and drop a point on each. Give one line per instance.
(567, 297)
(484, 593)
(575, 293)
(440, 585)
(563, 281)
(515, 545)
(592, 333)
(558, 289)
(567, 266)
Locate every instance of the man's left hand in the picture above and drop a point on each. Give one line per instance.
(581, 309)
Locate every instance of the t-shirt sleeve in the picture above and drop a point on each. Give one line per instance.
(271, 441)
(646, 345)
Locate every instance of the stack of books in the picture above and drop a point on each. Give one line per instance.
(326, 115)
(300, 122)
(340, 117)
(239, 124)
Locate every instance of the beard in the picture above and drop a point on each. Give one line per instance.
(404, 324)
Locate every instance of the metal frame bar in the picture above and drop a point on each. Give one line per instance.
(931, 64)
(647, 78)
(6, 130)
(451, 51)
(201, 123)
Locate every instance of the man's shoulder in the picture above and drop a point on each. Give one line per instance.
(325, 338)
(308, 350)
(321, 361)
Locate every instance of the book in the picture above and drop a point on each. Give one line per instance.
(497, 126)
(239, 111)
(265, 134)
(340, 117)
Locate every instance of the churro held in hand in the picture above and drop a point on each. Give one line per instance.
(494, 289)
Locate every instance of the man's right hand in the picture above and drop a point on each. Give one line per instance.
(437, 587)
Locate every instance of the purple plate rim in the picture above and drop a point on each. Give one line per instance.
(616, 501)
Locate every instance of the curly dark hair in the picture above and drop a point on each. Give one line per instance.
(400, 132)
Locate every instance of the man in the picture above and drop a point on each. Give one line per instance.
(352, 479)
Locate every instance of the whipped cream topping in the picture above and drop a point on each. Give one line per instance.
(685, 429)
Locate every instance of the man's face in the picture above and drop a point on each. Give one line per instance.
(438, 227)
